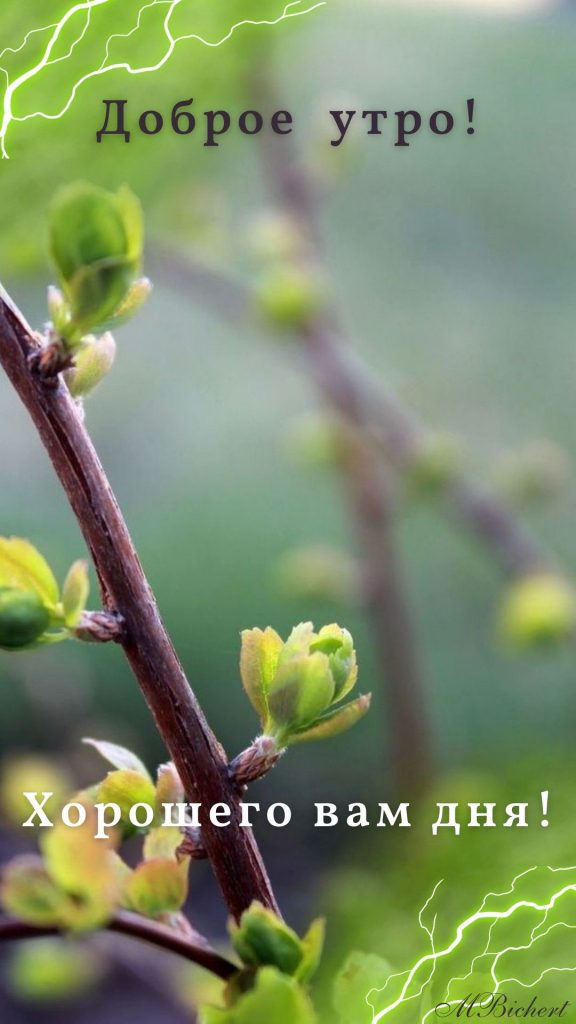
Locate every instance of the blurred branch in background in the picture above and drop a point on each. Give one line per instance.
(370, 502)
(385, 436)
(483, 515)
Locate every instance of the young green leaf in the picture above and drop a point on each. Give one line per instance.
(162, 843)
(258, 663)
(295, 685)
(96, 240)
(262, 939)
(75, 593)
(156, 887)
(127, 788)
(50, 971)
(28, 893)
(361, 973)
(275, 999)
(302, 689)
(334, 722)
(93, 360)
(24, 568)
(169, 788)
(119, 757)
(312, 945)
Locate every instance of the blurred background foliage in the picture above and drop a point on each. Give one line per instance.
(453, 264)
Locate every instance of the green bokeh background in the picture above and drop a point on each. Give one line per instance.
(453, 265)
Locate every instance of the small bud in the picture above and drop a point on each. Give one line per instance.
(261, 939)
(92, 362)
(30, 774)
(75, 592)
(169, 785)
(51, 971)
(433, 463)
(319, 440)
(23, 618)
(255, 762)
(318, 572)
(276, 236)
(126, 788)
(288, 297)
(535, 473)
(58, 310)
(538, 611)
(138, 294)
(96, 242)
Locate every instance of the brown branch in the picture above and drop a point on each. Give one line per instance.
(199, 758)
(369, 499)
(372, 517)
(394, 425)
(198, 951)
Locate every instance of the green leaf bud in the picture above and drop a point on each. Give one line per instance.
(93, 361)
(276, 236)
(52, 970)
(23, 618)
(319, 440)
(127, 787)
(58, 310)
(433, 463)
(24, 568)
(538, 611)
(137, 295)
(263, 939)
(96, 240)
(318, 572)
(156, 887)
(120, 757)
(272, 998)
(288, 297)
(294, 685)
(75, 593)
(302, 689)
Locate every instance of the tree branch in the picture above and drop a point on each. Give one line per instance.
(370, 504)
(199, 758)
(396, 428)
(126, 923)
(372, 517)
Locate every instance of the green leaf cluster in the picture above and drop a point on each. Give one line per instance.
(79, 881)
(296, 685)
(275, 998)
(262, 939)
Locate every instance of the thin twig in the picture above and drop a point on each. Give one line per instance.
(126, 923)
(199, 758)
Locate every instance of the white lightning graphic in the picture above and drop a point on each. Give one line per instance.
(412, 989)
(293, 9)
